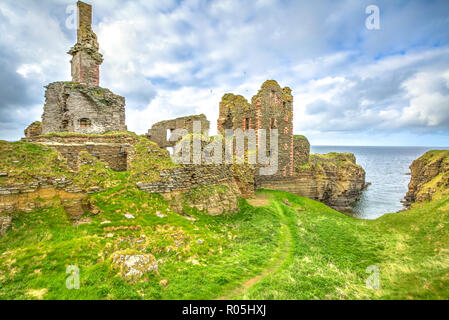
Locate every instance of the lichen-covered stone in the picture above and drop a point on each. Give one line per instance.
(116, 150)
(212, 199)
(301, 150)
(213, 188)
(134, 265)
(81, 106)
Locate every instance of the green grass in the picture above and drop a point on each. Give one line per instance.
(23, 161)
(299, 250)
(304, 251)
(331, 253)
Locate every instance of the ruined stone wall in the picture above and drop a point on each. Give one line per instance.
(214, 188)
(73, 107)
(42, 193)
(116, 151)
(86, 59)
(274, 106)
(271, 108)
(158, 132)
(301, 150)
(187, 177)
(33, 130)
(85, 68)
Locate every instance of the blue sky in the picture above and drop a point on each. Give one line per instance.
(351, 85)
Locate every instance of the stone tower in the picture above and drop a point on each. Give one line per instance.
(81, 106)
(271, 108)
(86, 59)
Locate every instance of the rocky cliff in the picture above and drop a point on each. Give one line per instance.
(429, 177)
(334, 179)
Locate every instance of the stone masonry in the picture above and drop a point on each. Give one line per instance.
(75, 107)
(271, 108)
(86, 59)
(213, 188)
(82, 106)
(160, 132)
(115, 150)
(33, 130)
(334, 179)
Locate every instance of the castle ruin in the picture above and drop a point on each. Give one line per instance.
(82, 106)
(85, 112)
(161, 132)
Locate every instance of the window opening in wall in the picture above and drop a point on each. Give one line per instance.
(85, 123)
(169, 133)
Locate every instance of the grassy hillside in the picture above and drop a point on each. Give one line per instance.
(268, 251)
(278, 246)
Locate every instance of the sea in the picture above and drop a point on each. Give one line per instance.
(387, 169)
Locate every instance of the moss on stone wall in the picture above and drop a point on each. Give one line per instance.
(148, 161)
(22, 162)
(234, 102)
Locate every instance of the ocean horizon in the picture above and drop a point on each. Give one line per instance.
(387, 169)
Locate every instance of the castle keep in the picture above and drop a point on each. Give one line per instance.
(81, 106)
(271, 108)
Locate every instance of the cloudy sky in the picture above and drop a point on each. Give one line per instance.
(351, 85)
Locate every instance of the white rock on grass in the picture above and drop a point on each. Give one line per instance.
(134, 265)
(129, 216)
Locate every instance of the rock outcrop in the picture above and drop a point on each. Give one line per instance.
(429, 177)
(337, 179)
(334, 179)
(135, 264)
(33, 176)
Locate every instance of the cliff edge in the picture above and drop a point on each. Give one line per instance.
(334, 178)
(429, 177)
